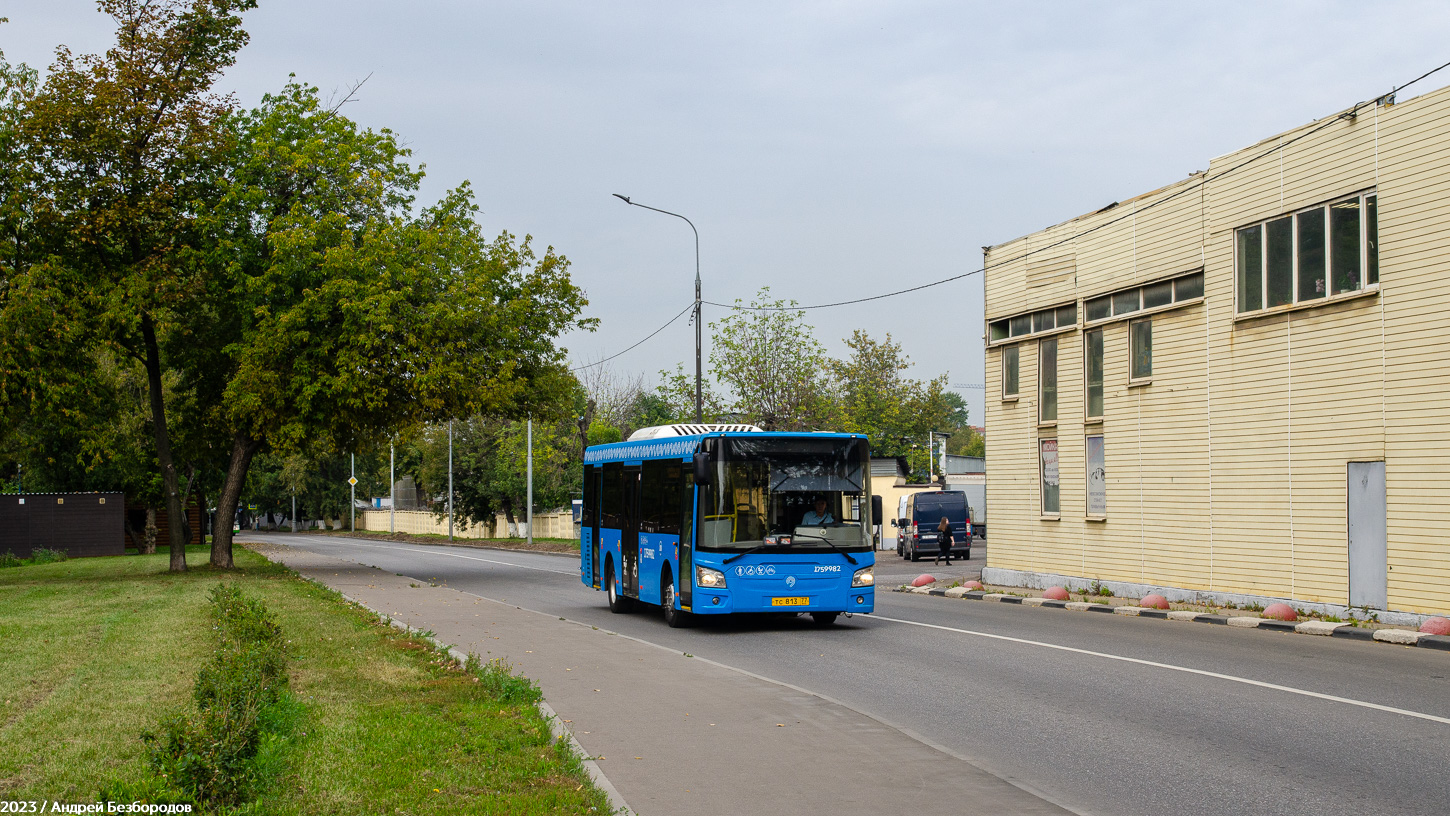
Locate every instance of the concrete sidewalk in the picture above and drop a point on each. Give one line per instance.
(678, 735)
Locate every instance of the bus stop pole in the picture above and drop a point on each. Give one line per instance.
(352, 486)
(392, 491)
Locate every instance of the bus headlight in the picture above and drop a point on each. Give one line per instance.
(864, 577)
(709, 578)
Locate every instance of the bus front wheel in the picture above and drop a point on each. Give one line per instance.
(674, 617)
(618, 604)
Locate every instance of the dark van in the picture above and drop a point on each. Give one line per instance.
(918, 527)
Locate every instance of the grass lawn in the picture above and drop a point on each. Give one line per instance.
(97, 650)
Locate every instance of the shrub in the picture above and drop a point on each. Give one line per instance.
(41, 555)
(210, 753)
(9, 559)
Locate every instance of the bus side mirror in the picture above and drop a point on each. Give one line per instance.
(702, 468)
(876, 512)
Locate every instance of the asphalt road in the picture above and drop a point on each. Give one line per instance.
(1102, 713)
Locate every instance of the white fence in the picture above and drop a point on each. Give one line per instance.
(551, 524)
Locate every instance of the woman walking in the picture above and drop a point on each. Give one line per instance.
(944, 540)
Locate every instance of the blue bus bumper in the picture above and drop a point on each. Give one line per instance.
(860, 601)
(774, 584)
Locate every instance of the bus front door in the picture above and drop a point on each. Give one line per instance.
(593, 488)
(629, 535)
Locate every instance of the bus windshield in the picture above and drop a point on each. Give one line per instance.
(786, 494)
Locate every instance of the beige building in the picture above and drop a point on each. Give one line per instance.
(1235, 385)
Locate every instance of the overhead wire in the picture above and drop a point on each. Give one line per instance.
(1206, 178)
(640, 343)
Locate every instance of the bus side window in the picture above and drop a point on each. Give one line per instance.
(660, 497)
(611, 504)
(591, 498)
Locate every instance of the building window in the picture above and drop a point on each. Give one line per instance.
(1009, 371)
(1331, 249)
(1043, 320)
(1093, 363)
(1154, 296)
(1051, 487)
(1097, 478)
(1140, 349)
(1047, 380)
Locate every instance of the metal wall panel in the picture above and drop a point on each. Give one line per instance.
(79, 524)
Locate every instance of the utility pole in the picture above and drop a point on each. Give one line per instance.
(450, 480)
(529, 440)
(294, 511)
(392, 491)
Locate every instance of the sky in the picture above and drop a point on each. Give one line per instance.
(827, 150)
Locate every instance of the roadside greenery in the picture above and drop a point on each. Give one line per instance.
(381, 721)
(39, 555)
(186, 285)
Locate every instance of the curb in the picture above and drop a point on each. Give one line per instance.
(1318, 628)
(561, 732)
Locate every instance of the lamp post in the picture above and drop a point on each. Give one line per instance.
(699, 411)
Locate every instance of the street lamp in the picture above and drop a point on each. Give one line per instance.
(699, 411)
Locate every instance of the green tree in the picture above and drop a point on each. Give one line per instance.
(117, 156)
(964, 440)
(361, 316)
(775, 369)
(879, 400)
(674, 399)
(490, 466)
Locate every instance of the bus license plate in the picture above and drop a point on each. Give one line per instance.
(790, 601)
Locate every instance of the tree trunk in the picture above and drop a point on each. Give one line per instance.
(150, 533)
(243, 449)
(512, 527)
(144, 540)
(175, 506)
(201, 510)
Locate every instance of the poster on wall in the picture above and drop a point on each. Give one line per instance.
(1097, 478)
(1050, 474)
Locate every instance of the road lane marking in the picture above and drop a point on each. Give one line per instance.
(356, 543)
(1171, 667)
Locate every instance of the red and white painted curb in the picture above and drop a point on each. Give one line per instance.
(1399, 637)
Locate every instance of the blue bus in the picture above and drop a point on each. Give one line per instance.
(724, 519)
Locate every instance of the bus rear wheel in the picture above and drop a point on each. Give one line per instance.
(674, 617)
(824, 619)
(618, 604)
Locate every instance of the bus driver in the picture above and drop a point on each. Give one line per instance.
(818, 516)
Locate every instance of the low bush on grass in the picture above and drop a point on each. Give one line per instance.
(39, 555)
(224, 750)
(497, 679)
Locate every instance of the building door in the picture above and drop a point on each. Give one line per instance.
(629, 532)
(1368, 553)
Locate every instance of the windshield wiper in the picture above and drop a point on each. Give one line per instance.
(829, 543)
(756, 548)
